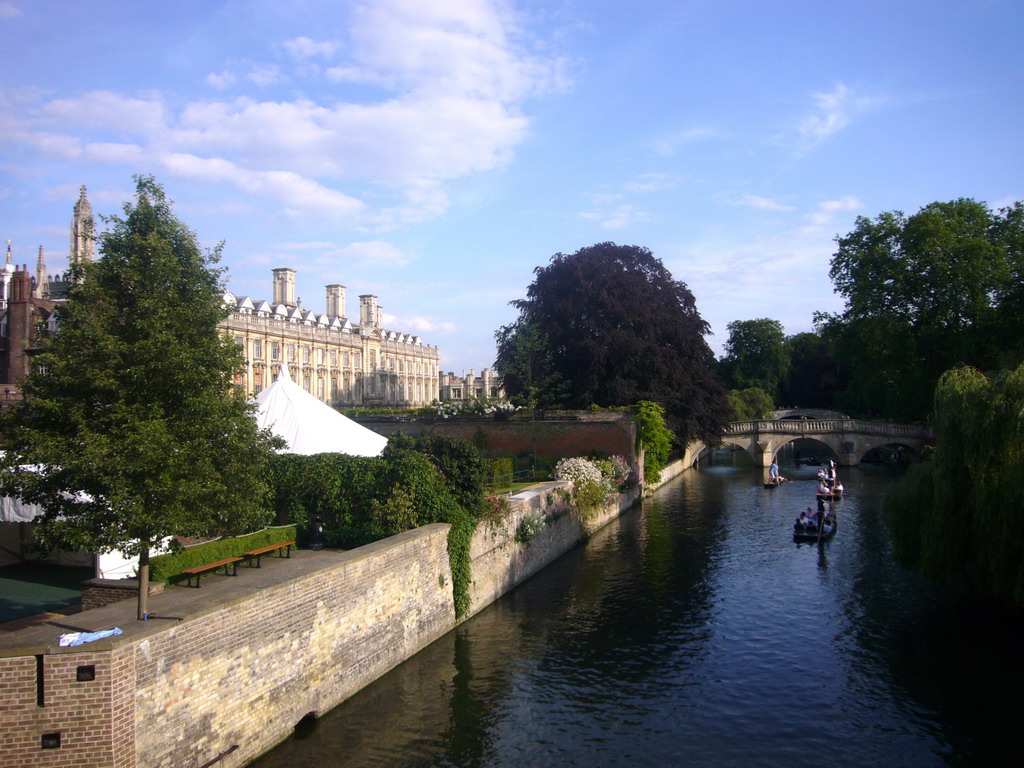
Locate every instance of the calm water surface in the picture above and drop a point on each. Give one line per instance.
(694, 631)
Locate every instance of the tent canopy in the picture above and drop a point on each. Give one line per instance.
(309, 426)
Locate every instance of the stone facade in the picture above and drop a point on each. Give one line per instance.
(333, 358)
(486, 386)
(340, 360)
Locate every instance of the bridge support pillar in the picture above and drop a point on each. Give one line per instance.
(764, 453)
(847, 459)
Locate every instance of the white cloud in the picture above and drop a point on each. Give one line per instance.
(265, 75)
(306, 48)
(419, 324)
(651, 182)
(221, 80)
(668, 145)
(10, 11)
(456, 74)
(835, 110)
(826, 211)
(759, 202)
(106, 110)
(306, 246)
(369, 253)
(617, 218)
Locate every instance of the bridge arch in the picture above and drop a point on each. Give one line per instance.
(848, 439)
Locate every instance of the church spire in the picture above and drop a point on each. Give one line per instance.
(40, 288)
(82, 231)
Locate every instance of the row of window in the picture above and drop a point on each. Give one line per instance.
(405, 392)
(354, 359)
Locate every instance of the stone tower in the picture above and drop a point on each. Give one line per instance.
(284, 286)
(82, 231)
(335, 300)
(39, 291)
(369, 316)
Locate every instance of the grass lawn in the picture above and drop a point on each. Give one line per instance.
(513, 488)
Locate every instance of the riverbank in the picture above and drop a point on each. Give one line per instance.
(225, 672)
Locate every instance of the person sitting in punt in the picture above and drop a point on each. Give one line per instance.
(803, 522)
(823, 489)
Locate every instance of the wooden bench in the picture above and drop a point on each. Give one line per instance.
(283, 549)
(198, 570)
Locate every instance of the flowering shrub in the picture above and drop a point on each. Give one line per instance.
(591, 488)
(530, 527)
(478, 407)
(622, 475)
(494, 507)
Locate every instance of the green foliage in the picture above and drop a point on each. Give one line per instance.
(131, 410)
(755, 355)
(413, 413)
(957, 517)
(749, 404)
(458, 461)
(167, 568)
(608, 325)
(360, 500)
(460, 537)
(813, 379)
(925, 293)
(653, 437)
(500, 470)
(528, 371)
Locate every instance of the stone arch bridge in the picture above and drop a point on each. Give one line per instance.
(849, 439)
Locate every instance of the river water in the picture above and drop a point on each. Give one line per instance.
(694, 631)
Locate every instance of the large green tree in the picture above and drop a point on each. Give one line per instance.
(755, 355)
(957, 516)
(924, 293)
(130, 417)
(616, 328)
(813, 377)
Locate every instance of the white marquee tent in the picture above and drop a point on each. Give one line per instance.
(310, 426)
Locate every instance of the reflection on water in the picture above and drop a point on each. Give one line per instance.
(695, 631)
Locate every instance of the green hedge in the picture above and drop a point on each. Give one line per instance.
(168, 568)
(501, 471)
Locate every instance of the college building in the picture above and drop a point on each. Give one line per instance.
(342, 360)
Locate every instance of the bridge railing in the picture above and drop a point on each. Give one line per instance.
(818, 426)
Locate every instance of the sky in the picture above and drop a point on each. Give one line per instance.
(435, 152)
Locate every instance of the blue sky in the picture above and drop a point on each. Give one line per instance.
(434, 152)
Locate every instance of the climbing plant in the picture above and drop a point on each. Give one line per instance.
(654, 437)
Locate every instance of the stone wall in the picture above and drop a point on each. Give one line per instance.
(225, 679)
(500, 562)
(248, 673)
